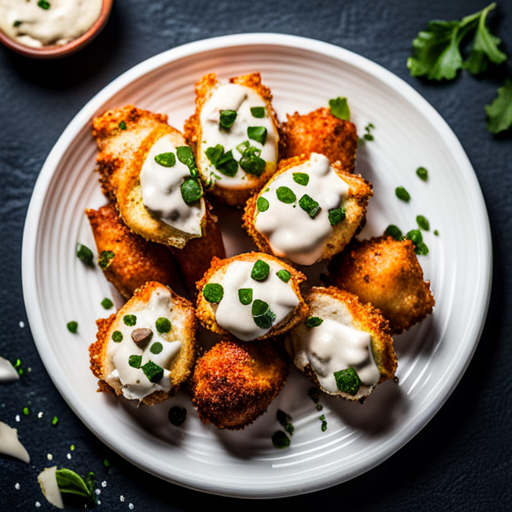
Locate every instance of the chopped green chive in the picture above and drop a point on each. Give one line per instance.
(117, 336)
(213, 292)
(423, 223)
(135, 361)
(260, 270)
(280, 440)
(85, 254)
(106, 463)
(177, 415)
(336, 215)
(414, 236)
(324, 423)
(165, 159)
(368, 136)
(245, 296)
(436, 232)
(156, 348)
(107, 303)
(186, 157)
(191, 191)
(286, 421)
(402, 194)
(55, 421)
(284, 275)
(262, 204)
(130, 320)
(72, 326)
(251, 162)
(26, 411)
(314, 321)
(227, 165)
(72, 447)
(394, 232)
(258, 112)
(227, 118)
(348, 381)
(301, 178)
(152, 371)
(257, 133)
(309, 205)
(163, 325)
(17, 23)
(422, 173)
(122, 125)
(339, 108)
(44, 4)
(286, 195)
(262, 314)
(214, 153)
(105, 260)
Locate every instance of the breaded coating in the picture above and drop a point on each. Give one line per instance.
(234, 383)
(387, 274)
(124, 137)
(320, 132)
(343, 308)
(183, 327)
(207, 311)
(136, 261)
(231, 195)
(337, 236)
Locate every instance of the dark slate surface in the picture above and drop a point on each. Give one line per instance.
(462, 460)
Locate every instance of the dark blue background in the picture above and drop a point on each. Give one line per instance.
(462, 460)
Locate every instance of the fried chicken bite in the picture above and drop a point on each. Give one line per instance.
(136, 261)
(147, 349)
(235, 136)
(386, 273)
(234, 383)
(308, 211)
(343, 346)
(320, 132)
(252, 296)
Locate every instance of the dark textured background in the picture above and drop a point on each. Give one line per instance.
(462, 460)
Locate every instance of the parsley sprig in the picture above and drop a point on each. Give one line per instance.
(499, 112)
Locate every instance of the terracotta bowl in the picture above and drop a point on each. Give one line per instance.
(58, 51)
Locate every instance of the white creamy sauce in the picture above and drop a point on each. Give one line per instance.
(7, 371)
(228, 96)
(290, 231)
(236, 317)
(10, 444)
(135, 384)
(334, 346)
(161, 192)
(64, 21)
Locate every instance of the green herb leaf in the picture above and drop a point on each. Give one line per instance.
(301, 178)
(153, 372)
(251, 162)
(135, 361)
(227, 118)
(314, 321)
(423, 222)
(258, 112)
(177, 415)
(227, 164)
(436, 232)
(414, 236)
(348, 381)
(499, 112)
(245, 296)
(163, 325)
(72, 326)
(422, 173)
(105, 259)
(394, 231)
(260, 270)
(122, 125)
(257, 133)
(280, 440)
(214, 153)
(130, 320)
(402, 194)
(284, 275)
(213, 292)
(309, 205)
(339, 108)
(44, 4)
(55, 421)
(262, 314)
(16, 23)
(336, 215)
(85, 254)
(286, 195)
(165, 159)
(186, 157)
(156, 348)
(70, 482)
(117, 336)
(262, 204)
(421, 249)
(191, 191)
(107, 303)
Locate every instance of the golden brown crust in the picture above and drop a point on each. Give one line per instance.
(181, 365)
(360, 191)
(234, 383)
(193, 133)
(136, 260)
(206, 313)
(386, 273)
(320, 132)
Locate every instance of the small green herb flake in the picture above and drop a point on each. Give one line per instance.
(44, 4)
(107, 303)
(130, 320)
(72, 326)
(301, 178)
(85, 254)
(55, 421)
(324, 425)
(257, 133)
(414, 236)
(314, 321)
(309, 205)
(262, 204)
(26, 411)
(227, 164)
(245, 296)
(153, 372)
(191, 191)
(214, 153)
(422, 173)
(339, 108)
(165, 159)
(423, 223)
(280, 440)
(262, 314)
(72, 447)
(117, 336)
(258, 112)
(163, 325)
(260, 270)
(336, 215)
(283, 418)
(105, 260)
(156, 348)
(251, 162)
(177, 415)
(286, 195)
(186, 157)
(394, 232)
(284, 275)
(17, 23)
(436, 232)
(421, 249)
(348, 381)
(122, 125)
(499, 112)
(402, 194)
(135, 361)
(213, 292)
(227, 118)
(106, 464)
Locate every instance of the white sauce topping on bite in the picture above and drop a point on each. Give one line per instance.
(228, 96)
(161, 192)
(134, 382)
(291, 232)
(236, 317)
(62, 22)
(333, 346)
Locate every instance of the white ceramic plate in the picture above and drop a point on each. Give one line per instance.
(303, 75)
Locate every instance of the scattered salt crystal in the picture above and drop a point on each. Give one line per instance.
(50, 456)
(130, 506)
(121, 498)
(40, 414)
(103, 484)
(17, 417)
(68, 456)
(22, 324)
(38, 504)
(17, 486)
